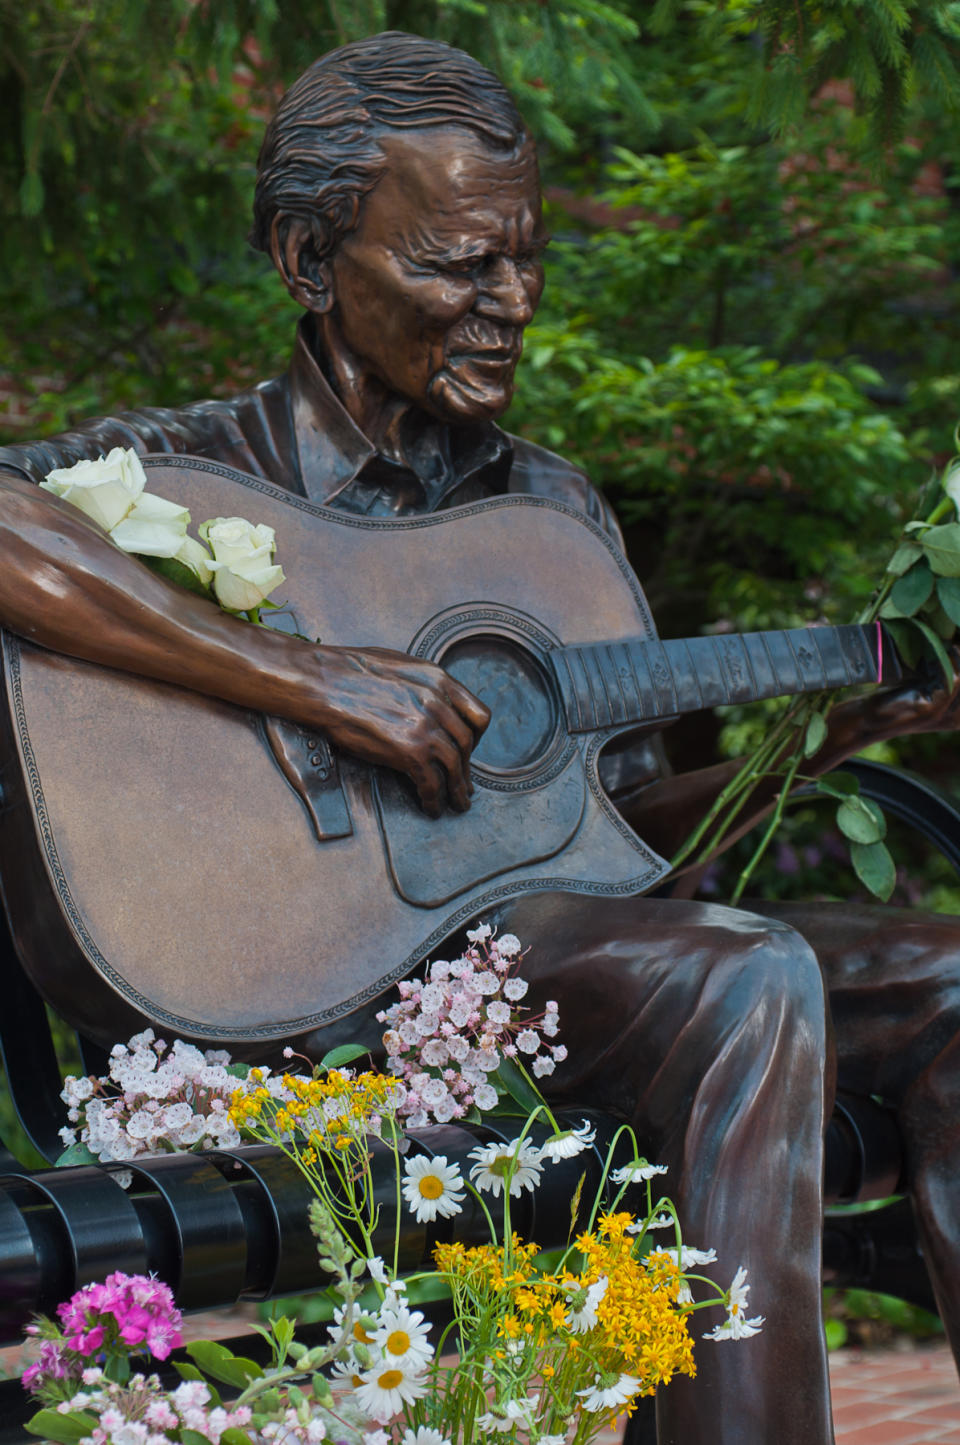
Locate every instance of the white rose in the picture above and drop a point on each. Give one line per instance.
(234, 539)
(193, 554)
(153, 527)
(104, 490)
(243, 572)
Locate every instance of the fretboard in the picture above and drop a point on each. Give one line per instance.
(608, 684)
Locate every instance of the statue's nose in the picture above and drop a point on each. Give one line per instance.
(503, 294)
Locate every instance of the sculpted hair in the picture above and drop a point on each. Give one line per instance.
(320, 155)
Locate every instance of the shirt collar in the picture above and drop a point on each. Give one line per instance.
(333, 452)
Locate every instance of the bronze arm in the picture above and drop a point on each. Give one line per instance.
(65, 586)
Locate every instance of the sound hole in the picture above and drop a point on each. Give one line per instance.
(515, 688)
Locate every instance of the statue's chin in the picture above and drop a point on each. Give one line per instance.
(464, 393)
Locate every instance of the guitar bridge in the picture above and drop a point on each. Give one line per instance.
(311, 768)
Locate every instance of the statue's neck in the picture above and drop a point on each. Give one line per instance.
(396, 427)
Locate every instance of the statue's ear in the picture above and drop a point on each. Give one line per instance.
(294, 254)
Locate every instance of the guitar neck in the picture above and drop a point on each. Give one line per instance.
(609, 684)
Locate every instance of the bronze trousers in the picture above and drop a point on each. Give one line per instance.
(721, 1035)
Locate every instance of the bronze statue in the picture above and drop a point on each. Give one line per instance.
(398, 198)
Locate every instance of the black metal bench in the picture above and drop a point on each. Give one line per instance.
(229, 1226)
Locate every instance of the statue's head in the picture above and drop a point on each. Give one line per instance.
(398, 195)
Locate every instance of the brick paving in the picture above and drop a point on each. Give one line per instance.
(894, 1397)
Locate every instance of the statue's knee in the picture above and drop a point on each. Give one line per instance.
(775, 972)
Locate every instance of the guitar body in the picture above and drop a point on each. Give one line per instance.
(171, 858)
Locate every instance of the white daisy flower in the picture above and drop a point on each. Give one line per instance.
(690, 1256)
(507, 1414)
(495, 1161)
(601, 1396)
(662, 1221)
(633, 1173)
(582, 1316)
(423, 1435)
(403, 1338)
(377, 1269)
(736, 1326)
(386, 1389)
(514, 988)
(569, 1143)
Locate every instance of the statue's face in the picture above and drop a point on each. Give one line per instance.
(432, 290)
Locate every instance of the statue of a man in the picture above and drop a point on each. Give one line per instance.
(398, 198)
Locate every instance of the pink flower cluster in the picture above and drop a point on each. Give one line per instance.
(155, 1100)
(133, 1311)
(142, 1412)
(451, 1030)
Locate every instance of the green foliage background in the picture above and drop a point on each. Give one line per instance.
(749, 332)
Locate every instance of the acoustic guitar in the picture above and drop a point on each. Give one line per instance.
(171, 858)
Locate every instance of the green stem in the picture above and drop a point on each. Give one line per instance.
(774, 823)
(746, 776)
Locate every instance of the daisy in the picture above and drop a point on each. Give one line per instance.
(402, 1338)
(602, 1396)
(519, 1159)
(583, 1317)
(568, 1143)
(386, 1389)
(432, 1187)
(424, 1436)
(662, 1221)
(736, 1326)
(633, 1173)
(507, 1414)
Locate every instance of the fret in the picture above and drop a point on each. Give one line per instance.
(613, 684)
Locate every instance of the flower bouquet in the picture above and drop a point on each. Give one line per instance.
(540, 1348)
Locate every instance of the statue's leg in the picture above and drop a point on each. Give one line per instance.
(706, 1028)
(894, 983)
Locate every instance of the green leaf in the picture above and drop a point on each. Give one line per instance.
(937, 648)
(345, 1054)
(861, 821)
(874, 867)
(175, 571)
(911, 591)
(839, 785)
(64, 1429)
(237, 1071)
(835, 1330)
(941, 545)
(509, 1078)
(76, 1154)
(815, 736)
(283, 1330)
(216, 1360)
(948, 595)
(903, 558)
(907, 640)
(232, 1436)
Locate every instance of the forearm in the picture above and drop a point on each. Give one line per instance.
(63, 584)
